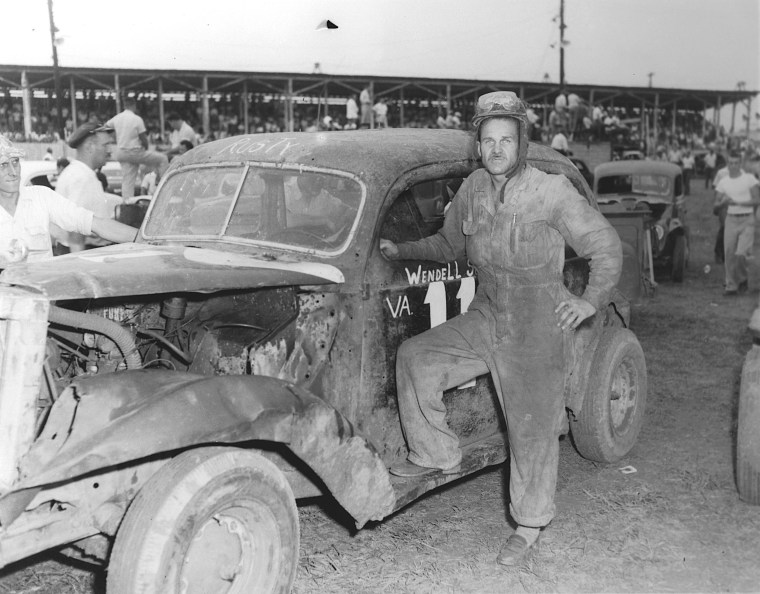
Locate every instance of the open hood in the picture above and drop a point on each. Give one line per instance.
(141, 269)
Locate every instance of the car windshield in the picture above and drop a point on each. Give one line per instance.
(651, 184)
(310, 209)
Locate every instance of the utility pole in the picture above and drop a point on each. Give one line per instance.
(59, 123)
(562, 28)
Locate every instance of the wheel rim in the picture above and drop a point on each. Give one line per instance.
(623, 395)
(233, 552)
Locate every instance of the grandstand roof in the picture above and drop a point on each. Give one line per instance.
(319, 84)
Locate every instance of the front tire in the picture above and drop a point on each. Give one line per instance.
(748, 432)
(220, 520)
(609, 422)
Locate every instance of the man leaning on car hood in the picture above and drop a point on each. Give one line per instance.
(27, 212)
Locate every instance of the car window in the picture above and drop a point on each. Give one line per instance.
(419, 211)
(658, 185)
(298, 208)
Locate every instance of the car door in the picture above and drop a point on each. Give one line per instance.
(408, 297)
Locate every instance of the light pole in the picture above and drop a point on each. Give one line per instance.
(59, 123)
(650, 75)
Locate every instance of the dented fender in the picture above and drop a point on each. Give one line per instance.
(103, 421)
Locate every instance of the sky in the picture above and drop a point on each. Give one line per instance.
(695, 44)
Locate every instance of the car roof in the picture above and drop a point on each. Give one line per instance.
(374, 154)
(632, 167)
(30, 169)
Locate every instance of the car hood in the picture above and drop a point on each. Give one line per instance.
(141, 269)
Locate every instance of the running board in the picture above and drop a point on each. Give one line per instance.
(475, 456)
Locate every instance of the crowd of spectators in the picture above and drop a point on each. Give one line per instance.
(570, 115)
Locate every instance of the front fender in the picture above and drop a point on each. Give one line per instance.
(103, 421)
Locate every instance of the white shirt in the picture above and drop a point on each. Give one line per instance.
(738, 189)
(79, 184)
(352, 109)
(559, 142)
(185, 132)
(36, 209)
(128, 127)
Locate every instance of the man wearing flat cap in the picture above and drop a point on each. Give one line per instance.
(512, 221)
(79, 181)
(26, 213)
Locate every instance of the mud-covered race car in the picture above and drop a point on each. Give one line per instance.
(163, 404)
(658, 188)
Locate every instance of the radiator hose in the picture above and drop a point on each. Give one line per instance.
(118, 334)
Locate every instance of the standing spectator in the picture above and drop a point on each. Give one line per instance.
(741, 192)
(711, 160)
(574, 107)
(49, 154)
(181, 130)
(132, 151)
(352, 113)
(380, 110)
(79, 182)
(687, 165)
(366, 102)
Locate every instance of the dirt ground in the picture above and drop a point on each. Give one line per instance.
(674, 525)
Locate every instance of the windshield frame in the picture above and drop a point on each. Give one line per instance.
(245, 167)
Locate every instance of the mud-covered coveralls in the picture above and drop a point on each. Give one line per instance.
(516, 242)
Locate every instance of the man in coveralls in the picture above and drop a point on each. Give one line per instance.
(512, 221)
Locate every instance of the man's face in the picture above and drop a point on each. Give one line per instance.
(100, 145)
(734, 165)
(499, 144)
(10, 175)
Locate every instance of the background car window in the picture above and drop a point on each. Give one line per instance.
(615, 184)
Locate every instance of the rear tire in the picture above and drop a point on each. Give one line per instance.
(609, 422)
(679, 259)
(748, 432)
(219, 520)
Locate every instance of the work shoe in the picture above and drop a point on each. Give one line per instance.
(409, 469)
(515, 550)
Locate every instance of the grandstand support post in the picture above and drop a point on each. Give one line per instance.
(244, 99)
(372, 100)
(289, 107)
(117, 92)
(448, 100)
(26, 102)
(401, 107)
(704, 119)
(161, 116)
(749, 113)
(655, 122)
(205, 108)
(73, 93)
(675, 115)
(716, 116)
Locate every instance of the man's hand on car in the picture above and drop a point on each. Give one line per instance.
(388, 249)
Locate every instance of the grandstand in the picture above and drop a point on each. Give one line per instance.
(222, 103)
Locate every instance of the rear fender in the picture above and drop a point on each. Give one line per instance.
(103, 421)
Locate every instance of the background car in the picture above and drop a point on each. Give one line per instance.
(748, 430)
(179, 394)
(658, 188)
